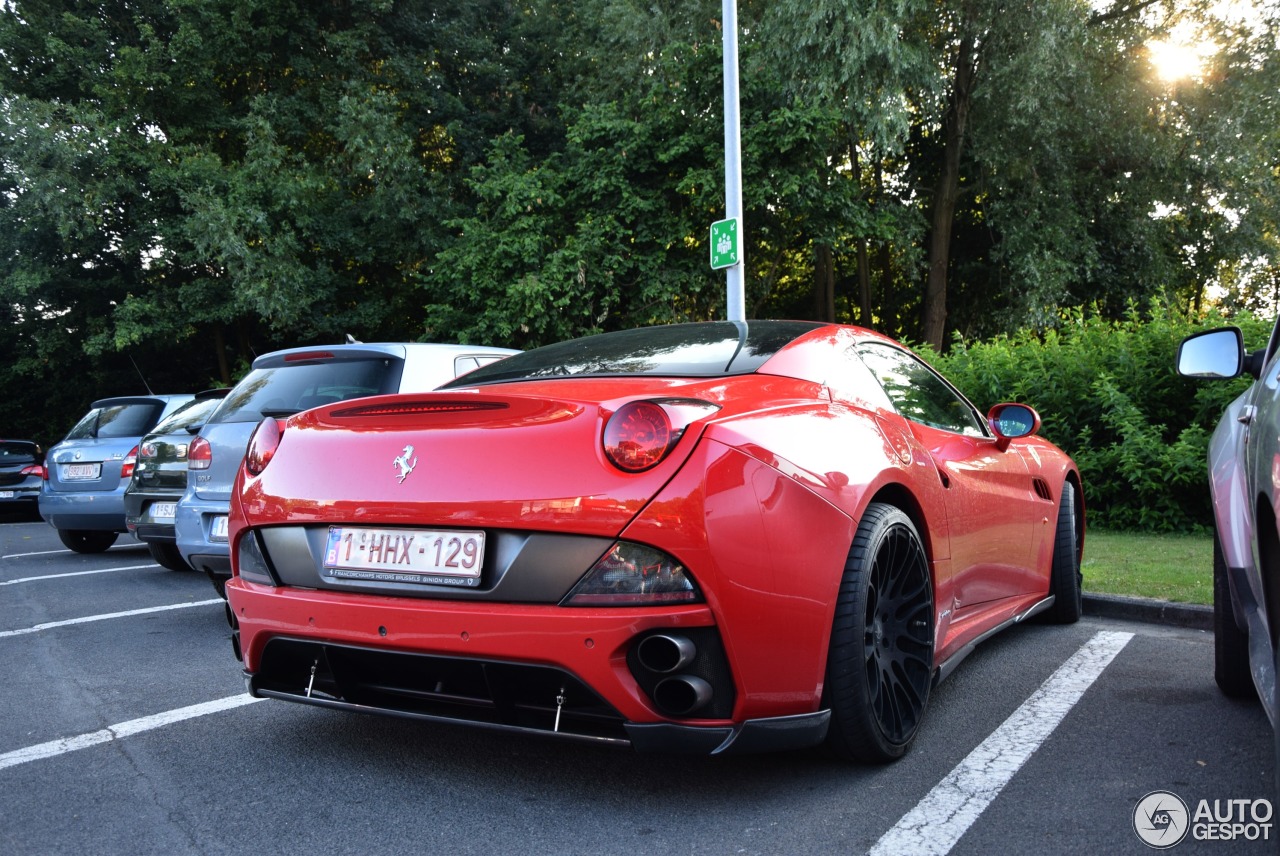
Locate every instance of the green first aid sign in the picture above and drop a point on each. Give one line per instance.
(726, 244)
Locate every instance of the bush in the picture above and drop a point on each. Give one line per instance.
(1109, 394)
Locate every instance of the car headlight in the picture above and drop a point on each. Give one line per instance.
(634, 575)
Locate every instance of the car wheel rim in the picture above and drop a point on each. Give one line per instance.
(899, 640)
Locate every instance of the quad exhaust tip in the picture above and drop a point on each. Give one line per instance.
(665, 653)
(669, 654)
(682, 695)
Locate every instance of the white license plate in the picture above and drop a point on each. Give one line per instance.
(428, 556)
(6, 494)
(81, 471)
(163, 510)
(219, 530)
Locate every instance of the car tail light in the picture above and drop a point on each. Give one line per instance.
(637, 436)
(36, 470)
(126, 466)
(634, 575)
(199, 454)
(262, 445)
(147, 450)
(640, 433)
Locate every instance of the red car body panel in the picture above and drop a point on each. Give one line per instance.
(759, 499)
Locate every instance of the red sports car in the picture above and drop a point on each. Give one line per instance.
(714, 537)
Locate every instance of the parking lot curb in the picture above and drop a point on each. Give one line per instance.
(1193, 615)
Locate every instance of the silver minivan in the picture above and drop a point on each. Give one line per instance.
(281, 384)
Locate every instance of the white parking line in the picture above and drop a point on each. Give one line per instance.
(76, 574)
(936, 823)
(124, 729)
(116, 549)
(4, 634)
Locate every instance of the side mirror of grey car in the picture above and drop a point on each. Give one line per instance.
(1214, 354)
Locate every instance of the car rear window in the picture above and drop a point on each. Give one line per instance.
(712, 349)
(285, 390)
(118, 420)
(194, 412)
(13, 454)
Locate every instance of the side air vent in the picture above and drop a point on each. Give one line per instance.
(1042, 489)
(416, 408)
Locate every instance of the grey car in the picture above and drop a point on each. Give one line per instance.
(282, 384)
(160, 478)
(1244, 481)
(86, 474)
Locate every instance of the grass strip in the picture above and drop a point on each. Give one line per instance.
(1177, 568)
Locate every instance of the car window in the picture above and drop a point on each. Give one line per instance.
(14, 454)
(918, 393)
(677, 350)
(118, 420)
(194, 412)
(284, 390)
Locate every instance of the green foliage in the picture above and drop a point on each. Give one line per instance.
(1109, 395)
(187, 183)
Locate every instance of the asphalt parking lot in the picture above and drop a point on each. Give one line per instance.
(124, 728)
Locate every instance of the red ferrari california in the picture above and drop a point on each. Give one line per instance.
(708, 538)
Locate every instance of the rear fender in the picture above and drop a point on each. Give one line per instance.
(767, 552)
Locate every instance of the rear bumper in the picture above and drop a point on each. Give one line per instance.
(193, 526)
(102, 511)
(21, 496)
(529, 668)
(213, 565)
(159, 533)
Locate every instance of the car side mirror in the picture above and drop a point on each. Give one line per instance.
(1011, 421)
(1214, 354)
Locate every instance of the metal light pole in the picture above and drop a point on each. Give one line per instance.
(733, 158)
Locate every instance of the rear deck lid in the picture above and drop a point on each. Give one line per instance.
(468, 460)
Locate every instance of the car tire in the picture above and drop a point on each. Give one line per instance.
(86, 540)
(1230, 643)
(880, 663)
(167, 556)
(1065, 578)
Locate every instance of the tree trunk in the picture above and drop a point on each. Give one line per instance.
(946, 194)
(824, 285)
(864, 284)
(888, 303)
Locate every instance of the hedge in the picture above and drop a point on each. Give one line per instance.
(1109, 394)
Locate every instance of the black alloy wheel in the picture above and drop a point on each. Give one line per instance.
(880, 664)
